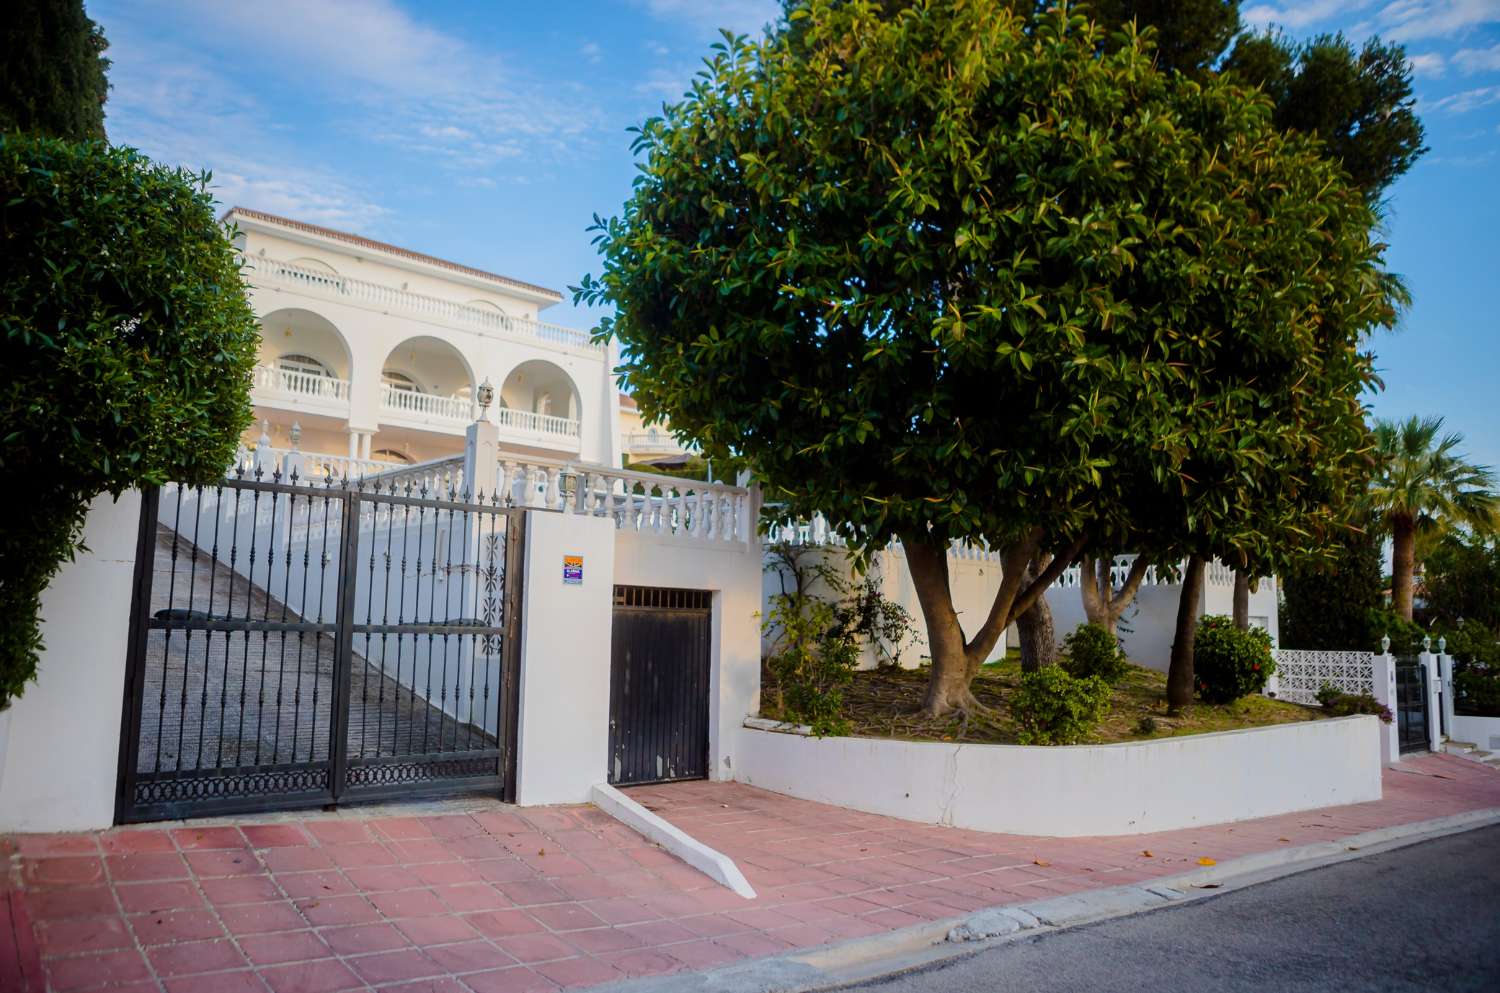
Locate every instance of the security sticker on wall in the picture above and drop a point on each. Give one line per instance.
(573, 570)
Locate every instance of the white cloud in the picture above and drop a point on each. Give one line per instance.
(1396, 20)
(665, 84)
(1429, 64)
(1465, 100)
(740, 16)
(590, 50)
(1299, 15)
(657, 48)
(1472, 60)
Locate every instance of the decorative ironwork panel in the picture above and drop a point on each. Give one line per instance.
(285, 635)
(1300, 674)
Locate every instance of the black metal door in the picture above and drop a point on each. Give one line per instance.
(1411, 705)
(658, 692)
(297, 645)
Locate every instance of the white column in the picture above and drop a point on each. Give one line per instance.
(1385, 692)
(265, 462)
(1429, 661)
(353, 444)
(481, 446)
(1445, 676)
(365, 444)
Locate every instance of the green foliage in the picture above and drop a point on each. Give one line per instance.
(1189, 35)
(52, 68)
(1471, 643)
(127, 344)
(1328, 602)
(1053, 708)
(1360, 103)
(1340, 704)
(1090, 650)
(868, 615)
(1461, 582)
(1146, 725)
(1230, 663)
(1405, 635)
(1476, 689)
(811, 664)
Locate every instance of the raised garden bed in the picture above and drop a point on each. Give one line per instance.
(883, 703)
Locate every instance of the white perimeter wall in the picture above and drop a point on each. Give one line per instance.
(1483, 732)
(59, 756)
(1078, 790)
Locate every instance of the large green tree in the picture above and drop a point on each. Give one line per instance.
(1329, 599)
(1423, 488)
(52, 69)
(950, 274)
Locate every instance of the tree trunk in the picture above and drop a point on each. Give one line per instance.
(1403, 565)
(1180, 672)
(1095, 597)
(948, 685)
(1038, 637)
(1241, 600)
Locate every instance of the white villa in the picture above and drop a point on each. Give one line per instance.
(376, 353)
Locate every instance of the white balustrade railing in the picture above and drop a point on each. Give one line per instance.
(316, 466)
(276, 272)
(440, 477)
(654, 441)
(819, 532)
(1119, 571)
(288, 382)
(544, 424)
(457, 409)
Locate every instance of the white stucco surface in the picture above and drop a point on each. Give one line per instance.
(1078, 790)
(61, 762)
(1481, 731)
(563, 736)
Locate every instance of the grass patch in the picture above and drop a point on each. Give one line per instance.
(883, 704)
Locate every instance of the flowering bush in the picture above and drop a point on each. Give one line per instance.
(1229, 663)
(1341, 704)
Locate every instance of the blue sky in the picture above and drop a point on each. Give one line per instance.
(489, 133)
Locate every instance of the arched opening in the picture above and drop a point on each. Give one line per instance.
(303, 354)
(426, 377)
(540, 397)
(391, 455)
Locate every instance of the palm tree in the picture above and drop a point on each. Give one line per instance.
(1423, 487)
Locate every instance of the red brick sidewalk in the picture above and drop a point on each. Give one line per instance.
(513, 899)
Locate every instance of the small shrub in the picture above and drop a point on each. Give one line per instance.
(1340, 704)
(1476, 690)
(1229, 663)
(1092, 651)
(1146, 725)
(1053, 708)
(812, 663)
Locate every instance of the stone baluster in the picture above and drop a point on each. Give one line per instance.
(554, 488)
(662, 523)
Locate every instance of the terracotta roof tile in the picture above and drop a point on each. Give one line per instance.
(380, 246)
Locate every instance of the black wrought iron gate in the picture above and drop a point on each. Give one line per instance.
(1411, 704)
(296, 645)
(659, 685)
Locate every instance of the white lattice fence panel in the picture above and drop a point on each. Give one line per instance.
(1300, 674)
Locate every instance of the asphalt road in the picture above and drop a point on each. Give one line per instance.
(1425, 917)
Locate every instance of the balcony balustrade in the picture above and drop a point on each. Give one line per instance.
(543, 424)
(272, 382)
(459, 410)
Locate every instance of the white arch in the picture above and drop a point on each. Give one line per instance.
(575, 404)
(446, 348)
(297, 330)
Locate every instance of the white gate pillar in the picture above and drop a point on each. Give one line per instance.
(1384, 678)
(1445, 677)
(1429, 662)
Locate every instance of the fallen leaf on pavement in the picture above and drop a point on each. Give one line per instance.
(1148, 854)
(1207, 861)
(1040, 862)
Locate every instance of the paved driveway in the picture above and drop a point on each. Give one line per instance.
(488, 897)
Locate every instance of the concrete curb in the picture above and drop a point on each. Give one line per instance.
(713, 864)
(831, 966)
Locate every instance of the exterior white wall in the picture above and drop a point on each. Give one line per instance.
(1483, 732)
(563, 736)
(59, 768)
(732, 570)
(1078, 790)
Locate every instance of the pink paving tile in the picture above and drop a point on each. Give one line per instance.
(498, 823)
(391, 967)
(623, 911)
(527, 892)
(321, 976)
(275, 835)
(518, 979)
(191, 838)
(439, 984)
(643, 962)
(135, 841)
(243, 981)
(660, 932)
(82, 934)
(469, 956)
(712, 925)
(360, 939)
(145, 866)
(538, 947)
(352, 909)
(400, 828)
(505, 870)
(314, 884)
(85, 972)
(339, 832)
(232, 862)
(702, 954)
(803, 935)
(195, 956)
(565, 916)
(72, 901)
(167, 926)
(173, 895)
(604, 939)
(364, 853)
(408, 903)
(582, 971)
(452, 826)
(472, 896)
(285, 946)
(295, 859)
(43, 845)
(68, 870)
(476, 846)
(502, 923)
(440, 930)
(752, 943)
(258, 918)
(609, 860)
(441, 874)
(383, 877)
(240, 889)
(415, 851)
